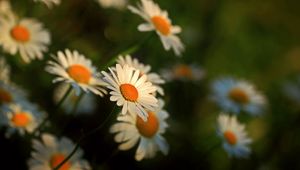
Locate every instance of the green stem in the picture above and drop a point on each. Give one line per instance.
(82, 138)
(56, 108)
(77, 102)
(64, 98)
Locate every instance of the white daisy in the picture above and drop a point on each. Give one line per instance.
(74, 68)
(10, 93)
(154, 78)
(87, 103)
(4, 71)
(237, 95)
(235, 140)
(49, 3)
(50, 152)
(158, 20)
(183, 72)
(131, 129)
(26, 36)
(130, 90)
(21, 118)
(119, 4)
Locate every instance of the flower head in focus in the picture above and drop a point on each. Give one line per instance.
(129, 90)
(152, 77)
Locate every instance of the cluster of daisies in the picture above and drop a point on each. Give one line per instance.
(131, 85)
(18, 115)
(236, 97)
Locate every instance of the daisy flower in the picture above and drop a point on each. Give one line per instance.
(87, 103)
(119, 4)
(235, 140)
(237, 95)
(131, 130)
(154, 78)
(183, 72)
(4, 71)
(158, 20)
(74, 68)
(130, 90)
(21, 118)
(10, 93)
(49, 3)
(50, 152)
(26, 36)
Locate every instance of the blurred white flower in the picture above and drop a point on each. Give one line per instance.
(78, 71)
(236, 96)
(50, 152)
(235, 139)
(158, 20)
(131, 130)
(25, 36)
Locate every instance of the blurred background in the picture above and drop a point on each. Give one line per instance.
(254, 40)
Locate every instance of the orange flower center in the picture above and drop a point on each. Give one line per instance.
(148, 128)
(129, 92)
(20, 33)
(20, 119)
(230, 137)
(79, 73)
(5, 96)
(183, 71)
(56, 159)
(238, 95)
(161, 24)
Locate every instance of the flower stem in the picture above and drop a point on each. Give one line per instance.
(82, 138)
(77, 102)
(64, 98)
(56, 108)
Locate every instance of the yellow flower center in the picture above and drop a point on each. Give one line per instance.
(56, 159)
(20, 119)
(5, 96)
(79, 73)
(129, 92)
(238, 95)
(183, 71)
(20, 33)
(161, 24)
(230, 137)
(148, 128)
